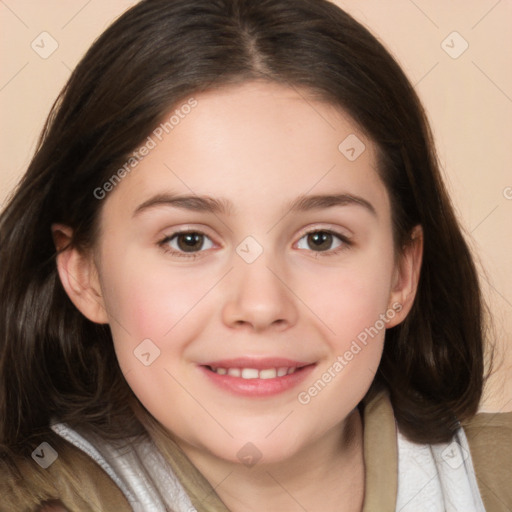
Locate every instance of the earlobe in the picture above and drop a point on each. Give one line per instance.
(407, 276)
(79, 276)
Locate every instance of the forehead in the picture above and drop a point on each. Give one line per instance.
(255, 143)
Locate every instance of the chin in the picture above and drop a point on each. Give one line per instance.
(256, 451)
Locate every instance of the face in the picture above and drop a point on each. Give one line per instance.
(247, 270)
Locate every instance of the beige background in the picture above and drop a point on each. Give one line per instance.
(468, 98)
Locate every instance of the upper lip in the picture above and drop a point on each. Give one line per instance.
(256, 363)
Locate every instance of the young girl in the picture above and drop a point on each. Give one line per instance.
(232, 280)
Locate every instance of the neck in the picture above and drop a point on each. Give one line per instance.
(332, 468)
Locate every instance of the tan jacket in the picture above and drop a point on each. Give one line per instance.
(81, 485)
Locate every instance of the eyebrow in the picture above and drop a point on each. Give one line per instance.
(193, 202)
(224, 206)
(317, 202)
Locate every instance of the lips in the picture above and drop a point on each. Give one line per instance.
(257, 377)
(254, 373)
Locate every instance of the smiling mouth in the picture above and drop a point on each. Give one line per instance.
(254, 373)
(257, 377)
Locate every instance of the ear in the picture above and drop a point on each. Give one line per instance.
(79, 276)
(406, 277)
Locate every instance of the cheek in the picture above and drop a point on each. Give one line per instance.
(154, 314)
(351, 299)
(152, 302)
(354, 311)
(150, 299)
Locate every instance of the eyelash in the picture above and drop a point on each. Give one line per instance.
(181, 254)
(345, 243)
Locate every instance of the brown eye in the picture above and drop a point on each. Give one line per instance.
(320, 241)
(188, 242)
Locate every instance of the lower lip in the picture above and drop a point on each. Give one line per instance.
(258, 387)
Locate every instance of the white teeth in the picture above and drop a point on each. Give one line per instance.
(271, 373)
(253, 373)
(250, 373)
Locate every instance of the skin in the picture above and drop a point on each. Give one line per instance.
(260, 146)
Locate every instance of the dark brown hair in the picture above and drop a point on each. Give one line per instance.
(54, 363)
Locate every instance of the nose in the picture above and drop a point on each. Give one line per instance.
(258, 298)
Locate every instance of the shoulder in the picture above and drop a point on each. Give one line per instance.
(490, 442)
(70, 477)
